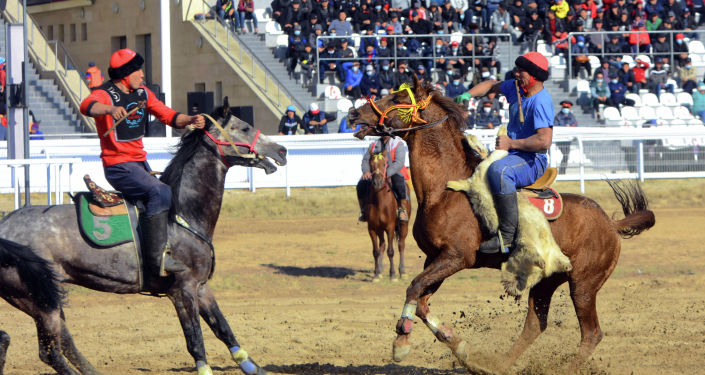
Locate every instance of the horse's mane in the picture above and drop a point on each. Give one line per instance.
(189, 144)
(456, 117)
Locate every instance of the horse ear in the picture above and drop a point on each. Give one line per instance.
(226, 106)
(415, 82)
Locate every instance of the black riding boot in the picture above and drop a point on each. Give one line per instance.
(508, 213)
(155, 243)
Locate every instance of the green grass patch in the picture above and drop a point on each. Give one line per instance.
(342, 201)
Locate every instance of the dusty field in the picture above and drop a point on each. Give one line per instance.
(296, 291)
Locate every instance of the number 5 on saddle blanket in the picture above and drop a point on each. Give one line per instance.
(537, 255)
(105, 220)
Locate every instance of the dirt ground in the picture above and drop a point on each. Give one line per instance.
(298, 295)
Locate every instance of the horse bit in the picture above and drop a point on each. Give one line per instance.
(409, 113)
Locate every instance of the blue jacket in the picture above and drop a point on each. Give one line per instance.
(351, 78)
(370, 82)
(452, 90)
(617, 91)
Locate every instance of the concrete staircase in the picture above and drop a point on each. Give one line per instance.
(301, 94)
(46, 100)
(50, 106)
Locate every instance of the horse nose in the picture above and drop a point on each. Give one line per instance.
(353, 114)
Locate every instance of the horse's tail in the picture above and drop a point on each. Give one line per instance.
(35, 274)
(637, 216)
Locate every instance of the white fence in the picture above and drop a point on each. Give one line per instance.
(334, 159)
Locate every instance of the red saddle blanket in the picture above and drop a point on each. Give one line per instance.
(547, 201)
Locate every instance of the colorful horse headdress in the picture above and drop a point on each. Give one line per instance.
(409, 113)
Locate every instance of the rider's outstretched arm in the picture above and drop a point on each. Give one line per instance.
(485, 87)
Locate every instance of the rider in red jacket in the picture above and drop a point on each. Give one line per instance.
(125, 98)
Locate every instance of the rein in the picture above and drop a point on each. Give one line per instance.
(251, 147)
(184, 224)
(409, 113)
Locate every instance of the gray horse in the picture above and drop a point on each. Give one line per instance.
(196, 175)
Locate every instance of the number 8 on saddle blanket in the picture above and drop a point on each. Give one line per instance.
(537, 255)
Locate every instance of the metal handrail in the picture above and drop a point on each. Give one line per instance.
(256, 62)
(602, 53)
(60, 70)
(394, 58)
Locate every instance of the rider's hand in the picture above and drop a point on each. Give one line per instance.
(117, 112)
(366, 176)
(197, 122)
(503, 143)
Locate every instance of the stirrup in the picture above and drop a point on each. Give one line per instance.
(494, 245)
(402, 214)
(169, 265)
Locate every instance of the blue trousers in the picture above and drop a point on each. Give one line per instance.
(133, 180)
(515, 171)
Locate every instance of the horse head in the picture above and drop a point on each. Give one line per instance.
(411, 107)
(239, 143)
(378, 167)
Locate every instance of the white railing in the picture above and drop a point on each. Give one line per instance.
(334, 159)
(52, 57)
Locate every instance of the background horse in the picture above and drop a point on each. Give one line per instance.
(447, 230)
(196, 175)
(34, 277)
(381, 210)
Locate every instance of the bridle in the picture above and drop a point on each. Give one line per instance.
(383, 171)
(409, 113)
(252, 154)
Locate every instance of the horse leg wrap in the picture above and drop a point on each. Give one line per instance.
(432, 323)
(203, 368)
(406, 323)
(242, 359)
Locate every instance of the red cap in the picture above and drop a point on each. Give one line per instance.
(680, 36)
(123, 62)
(454, 43)
(121, 57)
(535, 64)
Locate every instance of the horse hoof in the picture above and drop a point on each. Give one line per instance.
(401, 352)
(205, 370)
(376, 279)
(460, 351)
(394, 279)
(403, 276)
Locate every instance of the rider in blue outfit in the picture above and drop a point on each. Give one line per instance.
(526, 141)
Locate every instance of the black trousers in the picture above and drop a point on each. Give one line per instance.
(398, 188)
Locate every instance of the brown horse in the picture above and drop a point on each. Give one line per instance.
(448, 232)
(381, 208)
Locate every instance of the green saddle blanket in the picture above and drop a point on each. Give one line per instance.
(105, 230)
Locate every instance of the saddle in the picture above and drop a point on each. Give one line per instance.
(103, 202)
(104, 217)
(543, 196)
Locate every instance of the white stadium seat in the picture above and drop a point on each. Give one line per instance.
(669, 100)
(650, 100)
(631, 116)
(636, 98)
(696, 47)
(647, 113)
(613, 117)
(629, 60)
(332, 92)
(644, 58)
(272, 27)
(360, 102)
(682, 114)
(262, 15)
(343, 105)
(544, 49)
(456, 37)
(665, 115)
(684, 98)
